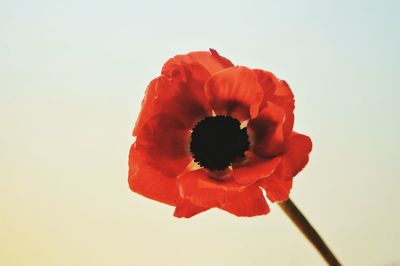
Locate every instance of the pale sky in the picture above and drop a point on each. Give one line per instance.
(73, 74)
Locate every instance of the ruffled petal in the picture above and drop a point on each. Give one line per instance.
(269, 82)
(197, 187)
(277, 189)
(236, 92)
(278, 92)
(149, 182)
(278, 185)
(181, 94)
(284, 98)
(249, 202)
(266, 131)
(211, 61)
(296, 156)
(186, 209)
(254, 168)
(163, 143)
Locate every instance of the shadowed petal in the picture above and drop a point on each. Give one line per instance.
(163, 143)
(278, 92)
(236, 92)
(296, 156)
(249, 202)
(254, 168)
(181, 95)
(278, 185)
(266, 131)
(149, 182)
(277, 189)
(200, 189)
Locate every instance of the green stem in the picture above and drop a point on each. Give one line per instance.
(306, 228)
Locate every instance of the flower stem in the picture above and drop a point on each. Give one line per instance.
(306, 228)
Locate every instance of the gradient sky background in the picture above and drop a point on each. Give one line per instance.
(73, 74)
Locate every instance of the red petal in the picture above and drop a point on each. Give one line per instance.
(234, 91)
(277, 189)
(268, 82)
(278, 185)
(181, 94)
(200, 189)
(163, 143)
(211, 61)
(149, 182)
(278, 92)
(297, 151)
(186, 209)
(267, 131)
(275, 90)
(249, 202)
(284, 98)
(254, 169)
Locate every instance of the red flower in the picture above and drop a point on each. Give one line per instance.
(211, 134)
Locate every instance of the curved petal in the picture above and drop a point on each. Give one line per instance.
(181, 94)
(284, 98)
(278, 92)
(149, 182)
(249, 202)
(278, 185)
(211, 61)
(234, 91)
(186, 209)
(269, 82)
(197, 187)
(277, 189)
(297, 152)
(163, 143)
(254, 168)
(266, 131)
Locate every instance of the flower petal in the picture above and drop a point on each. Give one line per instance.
(269, 82)
(211, 61)
(186, 209)
(278, 92)
(234, 91)
(284, 98)
(254, 168)
(181, 94)
(197, 187)
(275, 90)
(147, 181)
(266, 131)
(249, 202)
(278, 185)
(296, 157)
(163, 143)
(277, 189)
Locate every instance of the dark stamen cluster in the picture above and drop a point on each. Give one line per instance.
(217, 141)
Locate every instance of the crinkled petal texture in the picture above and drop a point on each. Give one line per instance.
(211, 61)
(271, 129)
(200, 84)
(295, 158)
(181, 94)
(197, 187)
(180, 88)
(235, 91)
(149, 181)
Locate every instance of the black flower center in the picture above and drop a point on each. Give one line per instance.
(217, 141)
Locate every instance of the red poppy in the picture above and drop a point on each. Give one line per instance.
(211, 134)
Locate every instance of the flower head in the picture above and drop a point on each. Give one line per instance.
(211, 134)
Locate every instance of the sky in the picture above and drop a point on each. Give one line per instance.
(73, 74)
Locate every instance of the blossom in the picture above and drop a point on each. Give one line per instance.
(211, 134)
